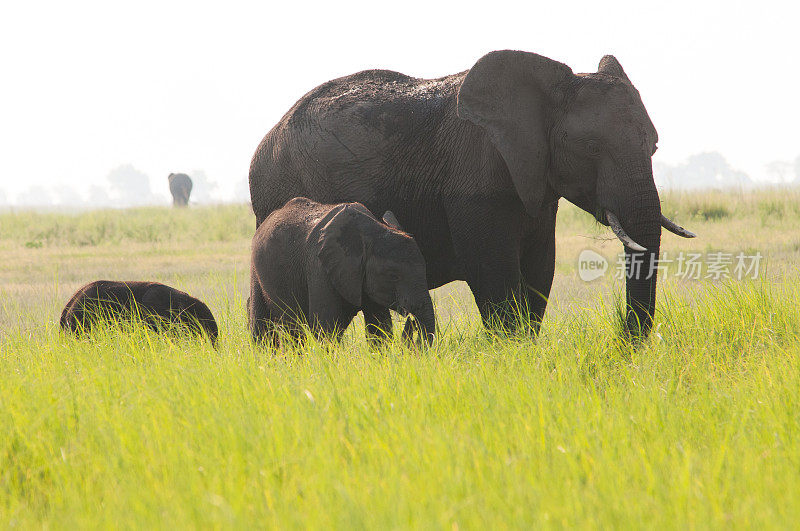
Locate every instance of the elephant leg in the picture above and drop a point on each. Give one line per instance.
(408, 330)
(377, 323)
(496, 287)
(486, 239)
(537, 264)
(327, 315)
(258, 317)
(493, 275)
(292, 329)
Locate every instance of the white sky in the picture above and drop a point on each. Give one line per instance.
(178, 86)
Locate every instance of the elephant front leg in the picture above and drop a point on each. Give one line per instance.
(377, 324)
(328, 314)
(537, 265)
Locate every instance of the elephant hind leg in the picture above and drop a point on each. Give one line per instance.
(496, 287)
(486, 238)
(259, 319)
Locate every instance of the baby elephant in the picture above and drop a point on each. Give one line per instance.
(321, 264)
(156, 303)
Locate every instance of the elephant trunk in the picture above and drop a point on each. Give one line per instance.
(426, 320)
(637, 209)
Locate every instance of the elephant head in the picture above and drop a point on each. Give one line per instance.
(588, 138)
(180, 186)
(366, 258)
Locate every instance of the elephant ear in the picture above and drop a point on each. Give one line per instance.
(338, 239)
(390, 219)
(610, 66)
(511, 95)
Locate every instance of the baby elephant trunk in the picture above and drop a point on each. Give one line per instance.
(424, 322)
(427, 321)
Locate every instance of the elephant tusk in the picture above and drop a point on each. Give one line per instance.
(674, 228)
(620, 233)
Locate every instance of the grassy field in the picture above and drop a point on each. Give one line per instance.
(698, 427)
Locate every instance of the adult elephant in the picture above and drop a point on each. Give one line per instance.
(473, 165)
(180, 186)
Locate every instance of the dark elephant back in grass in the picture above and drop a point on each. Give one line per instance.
(159, 306)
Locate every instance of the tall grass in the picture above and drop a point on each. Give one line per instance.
(141, 225)
(700, 426)
(719, 205)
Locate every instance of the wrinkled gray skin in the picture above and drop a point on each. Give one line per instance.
(473, 165)
(180, 186)
(321, 264)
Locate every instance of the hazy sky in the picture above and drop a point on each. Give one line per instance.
(177, 86)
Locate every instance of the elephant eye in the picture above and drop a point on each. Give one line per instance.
(593, 148)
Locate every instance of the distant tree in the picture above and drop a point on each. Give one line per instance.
(241, 191)
(797, 168)
(780, 170)
(702, 170)
(67, 195)
(98, 196)
(36, 195)
(130, 187)
(204, 190)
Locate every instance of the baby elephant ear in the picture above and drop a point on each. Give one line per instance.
(610, 66)
(390, 219)
(338, 239)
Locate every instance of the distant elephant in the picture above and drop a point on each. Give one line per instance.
(474, 164)
(320, 264)
(180, 186)
(156, 304)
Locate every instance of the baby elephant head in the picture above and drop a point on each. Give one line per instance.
(366, 258)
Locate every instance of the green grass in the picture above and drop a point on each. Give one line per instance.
(142, 225)
(698, 427)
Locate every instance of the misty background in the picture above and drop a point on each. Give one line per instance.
(100, 101)
(126, 186)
